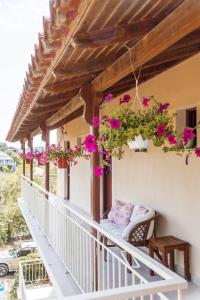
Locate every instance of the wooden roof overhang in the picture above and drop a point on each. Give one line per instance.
(85, 41)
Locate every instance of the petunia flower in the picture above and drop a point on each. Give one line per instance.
(163, 107)
(145, 101)
(188, 134)
(172, 139)
(98, 171)
(125, 99)
(114, 123)
(105, 117)
(90, 143)
(197, 152)
(160, 130)
(108, 98)
(95, 122)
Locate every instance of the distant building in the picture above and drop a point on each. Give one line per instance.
(6, 161)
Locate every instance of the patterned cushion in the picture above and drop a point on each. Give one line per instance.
(138, 211)
(114, 209)
(120, 213)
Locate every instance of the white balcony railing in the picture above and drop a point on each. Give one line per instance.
(30, 272)
(99, 272)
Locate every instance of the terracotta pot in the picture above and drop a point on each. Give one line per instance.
(27, 161)
(63, 163)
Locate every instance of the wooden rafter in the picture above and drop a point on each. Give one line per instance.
(65, 111)
(112, 35)
(80, 69)
(174, 27)
(68, 85)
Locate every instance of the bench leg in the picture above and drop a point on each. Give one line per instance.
(172, 261)
(187, 262)
(165, 258)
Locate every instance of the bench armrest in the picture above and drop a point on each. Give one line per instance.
(138, 235)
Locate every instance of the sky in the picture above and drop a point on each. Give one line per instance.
(20, 22)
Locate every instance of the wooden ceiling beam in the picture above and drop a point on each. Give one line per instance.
(65, 111)
(75, 114)
(112, 35)
(169, 56)
(68, 85)
(87, 67)
(182, 21)
(51, 107)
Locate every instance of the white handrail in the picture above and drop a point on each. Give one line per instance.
(71, 235)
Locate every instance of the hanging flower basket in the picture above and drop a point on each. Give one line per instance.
(139, 145)
(63, 163)
(28, 161)
(125, 126)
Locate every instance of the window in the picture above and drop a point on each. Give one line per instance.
(186, 118)
(191, 121)
(24, 252)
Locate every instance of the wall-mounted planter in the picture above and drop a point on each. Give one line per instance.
(139, 145)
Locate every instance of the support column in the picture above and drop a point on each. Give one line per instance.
(92, 101)
(30, 145)
(45, 138)
(24, 162)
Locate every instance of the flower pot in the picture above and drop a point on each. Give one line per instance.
(139, 145)
(27, 161)
(63, 163)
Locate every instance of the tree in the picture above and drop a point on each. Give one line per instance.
(12, 223)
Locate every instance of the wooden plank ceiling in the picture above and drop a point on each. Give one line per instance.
(80, 41)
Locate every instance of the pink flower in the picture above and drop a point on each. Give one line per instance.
(108, 98)
(98, 171)
(114, 123)
(105, 117)
(145, 101)
(197, 152)
(160, 130)
(163, 107)
(125, 99)
(171, 139)
(29, 155)
(95, 122)
(188, 134)
(90, 143)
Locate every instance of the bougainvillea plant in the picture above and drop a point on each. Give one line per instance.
(154, 122)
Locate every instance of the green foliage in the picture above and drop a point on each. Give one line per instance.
(5, 169)
(12, 223)
(3, 146)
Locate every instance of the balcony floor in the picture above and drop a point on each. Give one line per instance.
(40, 292)
(65, 284)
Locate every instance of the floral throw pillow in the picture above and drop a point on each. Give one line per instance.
(114, 209)
(138, 212)
(120, 213)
